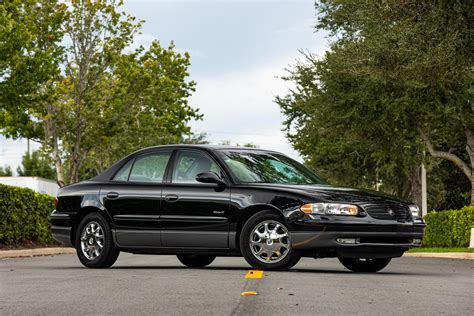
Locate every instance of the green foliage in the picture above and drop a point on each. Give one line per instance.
(440, 249)
(36, 165)
(193, 138)
(6, 172)
(393, 69)
(146, 105)
(24, 216)
(86, 96)
(350, 129)
(248, 145)
(229, 143)
(30, 53)
(447, 187)
(449, 228)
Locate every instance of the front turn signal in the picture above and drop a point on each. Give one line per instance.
(307, 208)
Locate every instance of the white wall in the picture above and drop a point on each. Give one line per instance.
(37, 184)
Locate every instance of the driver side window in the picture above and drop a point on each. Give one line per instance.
(191, 163)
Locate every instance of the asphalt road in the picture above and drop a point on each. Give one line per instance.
(161, 285)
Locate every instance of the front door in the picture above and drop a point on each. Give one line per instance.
(194, 214)
(133, 199)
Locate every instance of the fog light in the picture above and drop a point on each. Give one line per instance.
(347, 240)
(416, 241)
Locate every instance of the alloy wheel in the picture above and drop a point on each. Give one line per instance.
(92, 240)
(270, 241)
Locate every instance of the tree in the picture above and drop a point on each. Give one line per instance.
(36, 165)
(6, 172)
(328, 114)
(99, 101)
(427, 48)
(414, 60)
(248, 145)
(146, 105)
(229, 143)
(30, 54)
(199, 138)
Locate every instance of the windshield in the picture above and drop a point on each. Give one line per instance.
(267, 167)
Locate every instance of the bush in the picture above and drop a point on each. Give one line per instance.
(449, 228)
(24, 216)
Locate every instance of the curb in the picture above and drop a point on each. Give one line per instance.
(4, 254)
(443, 255)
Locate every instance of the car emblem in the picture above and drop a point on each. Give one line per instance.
(390, 212)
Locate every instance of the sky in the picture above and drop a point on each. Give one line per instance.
(239, 50)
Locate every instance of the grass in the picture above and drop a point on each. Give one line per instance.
(422, 249)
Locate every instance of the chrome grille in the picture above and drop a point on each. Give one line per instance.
(388, 211)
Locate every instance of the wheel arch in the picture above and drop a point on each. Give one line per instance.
(249, 212)
(83, 213)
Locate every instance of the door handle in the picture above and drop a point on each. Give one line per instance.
(112, 195)
(171, 198)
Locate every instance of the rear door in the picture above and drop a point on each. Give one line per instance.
(133, 199)
(194, 214)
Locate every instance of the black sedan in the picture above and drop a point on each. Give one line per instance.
(199, 202)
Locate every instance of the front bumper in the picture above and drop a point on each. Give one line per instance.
(305, 240)
(369, 238)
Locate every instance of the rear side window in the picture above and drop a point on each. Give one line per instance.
(123, 173)
(150, 168)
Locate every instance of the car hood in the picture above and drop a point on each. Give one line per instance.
(336, 194)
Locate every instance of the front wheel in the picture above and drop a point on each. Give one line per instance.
(196, 261)
(265, 243)
(364, 265)
(94, 245)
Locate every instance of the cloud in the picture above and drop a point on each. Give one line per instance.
(12, 151)
(145, 40)
(239, 106)
(194, 53)
(300, 27)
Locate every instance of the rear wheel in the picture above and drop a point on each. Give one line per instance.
(265, 242)
(196, 261)
(94, 244)
(365, 265)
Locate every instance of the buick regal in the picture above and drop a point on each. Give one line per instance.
(199, 202)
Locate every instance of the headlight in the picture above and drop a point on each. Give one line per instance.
(415, 211)
(330, 209)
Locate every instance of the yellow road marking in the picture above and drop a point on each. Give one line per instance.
(248, 293)
(254, 274)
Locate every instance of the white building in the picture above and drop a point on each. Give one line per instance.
(37, 184)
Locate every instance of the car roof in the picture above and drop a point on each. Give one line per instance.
(203, 146)
(109, 172)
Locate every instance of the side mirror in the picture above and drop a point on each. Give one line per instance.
(209, 177)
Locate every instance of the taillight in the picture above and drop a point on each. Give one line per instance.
(56, 202)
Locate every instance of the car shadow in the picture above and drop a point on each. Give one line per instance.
(246, 268)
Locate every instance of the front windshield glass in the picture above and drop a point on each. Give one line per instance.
(267, 167)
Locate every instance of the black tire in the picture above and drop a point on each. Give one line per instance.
(196, 261)
(109, 253)
(365, 265)
(290, 259)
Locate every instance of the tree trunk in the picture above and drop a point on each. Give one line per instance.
(467, 169)
(58, 164)
(470, 151)
(76, 155)
(415, 185)
(51, 141)
(472, 190)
